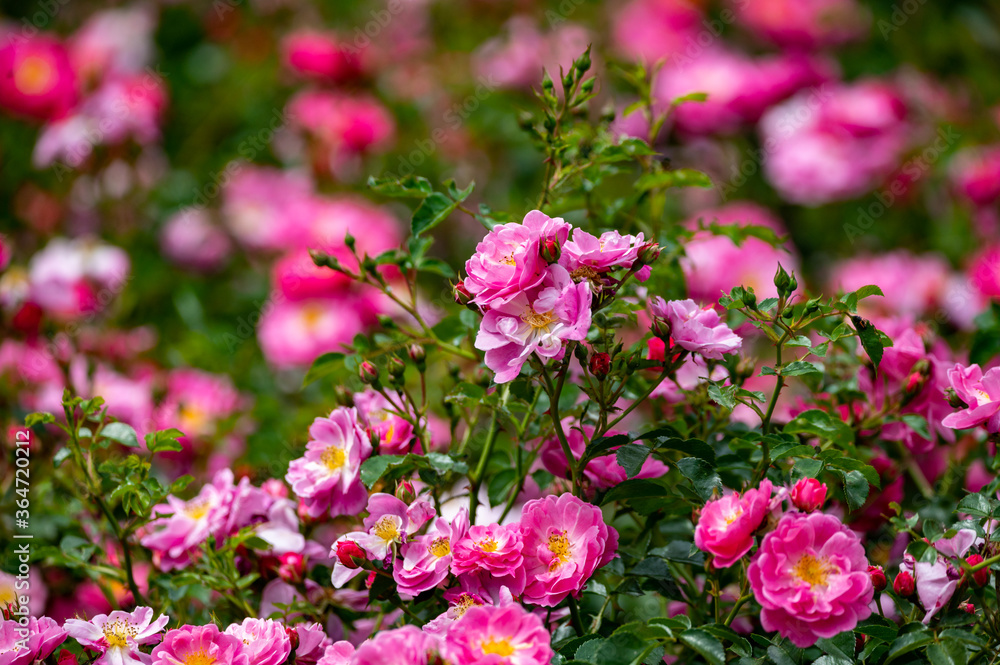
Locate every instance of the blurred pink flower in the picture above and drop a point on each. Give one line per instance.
(327, 477)
(72, 277)
(811, 578)
(322, 56)
(517, 58)
(295, 333)
(506, 634)
(196, 402)
(36, 77)
(265, 208)
(813, 24)
(118, 636)
(114, 41)
(652, 30)
(726, 526)
(835, 143)
(402, 646)
(565, 541)
(379, 417)
(342, 125)
(338, 653)
(975, 174)
(190, 239)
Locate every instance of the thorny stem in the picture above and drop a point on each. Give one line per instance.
(491, 436)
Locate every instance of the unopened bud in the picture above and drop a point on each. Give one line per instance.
(749, 298)
(550, 250)
(418, 355)
(600, 365)
(808, 495)
(582, 63)
(878, 577)
(405, 492)
(903, 585)
(396, 367)
(648, 253)
(982, 576)
(968, 607)
(954, 400)
(368, 373)
(587, 86)
(463, 296)
(785, 283)
(291, 567)
(350, 554)
(661, 328)
(349, 241)
(293, 637)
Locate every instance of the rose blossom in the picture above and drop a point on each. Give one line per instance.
(327, 478)
(492, 554)
(808, 495)
(117, 636)
(565, 541)
(338, 653)
(811, 578)
(42, 637)
(266, 641)
(36, 76)
(403, 646)
(538, 321)
(982, 394)
(587, 257)
(696, 329)
(498, 635)
(426, 560)
(320, 55)
(726, 526)
(200, 644)
(508, 261)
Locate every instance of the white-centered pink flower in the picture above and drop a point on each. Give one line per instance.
(117, 636)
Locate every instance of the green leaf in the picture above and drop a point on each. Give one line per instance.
(407, 187)
(871, 340)
(692, 447)
(707, 645)
(631, 457)
(702, 475)
(904, 644)
(436, 266)
(374, 468)
(39, 418)
(779, 656)
(724, 396)
(947, 652)
(855, 488)
(869, 290)
(741, 646)
(821, 424)
(800, 367)
(466, 394)
(676, 178)
(976, 505)
(918, 424)
(325, 365)
(690, 97)
(432, 211)
(121, 433)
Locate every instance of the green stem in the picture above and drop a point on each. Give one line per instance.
(491, 436)
(574, 613)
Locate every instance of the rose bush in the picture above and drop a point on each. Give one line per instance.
(702, 368)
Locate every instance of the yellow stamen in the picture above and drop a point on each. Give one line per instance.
(34, 76)
(440, 547)
(536, 320)
(497, 647)
(196, 509)
(386, 529)
(198, 658)
(488, 545)
(116, 633)
(560, 548)
(811, 570)
(333, 457)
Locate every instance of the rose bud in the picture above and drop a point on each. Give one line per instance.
(878, 577)
(904, 585)
(368, 373)
(648, 253)
(418, 355)
(67, 657)
(550, 250)
(348, 551)
(968, 607)
(808, 495)
(405, 491)
(462, 295)
(291, 567)
(982, 576)
(600, 364)
(293, 637)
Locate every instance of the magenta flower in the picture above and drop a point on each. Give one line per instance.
(265, 640)
(586, 256)
(492, 554)
(981, 392)
(23, 645)
(508, 261)
(200, 645)
(492, 635)
(182, 526)
(937, 581)
(811, 578)
(117, 636)
(338, 653)
(381, 418)
(389, 522)
(403, 646)
(327, 478)
(726, 526)
(538, 322)
(696, 329)
(808, 494)
(565, 541)
(426, 560)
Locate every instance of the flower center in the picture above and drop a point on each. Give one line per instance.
(116, 633)
(440, 547)
(386, 529)
(196, 509)
(811, 570)
(982, 397)
(462, 605)
(488, 545)
(34, 76)
(584, 273)
(560, 548)
(333, 457)
(507, 260)
(733, 515)
(198, 658)
(311, 316)
(192, 418)
(497, 647)
(536, 320)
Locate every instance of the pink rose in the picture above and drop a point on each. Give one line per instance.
(981, 392)
(726, 526)
(811, 578)
(490, 634)
(808, 495)
(696, 329)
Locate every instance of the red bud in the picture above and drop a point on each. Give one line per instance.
(982, 576)
(903, 585)
(600, 364)
(878, 577)
(348, 551)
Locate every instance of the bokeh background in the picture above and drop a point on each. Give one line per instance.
(164, 167)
